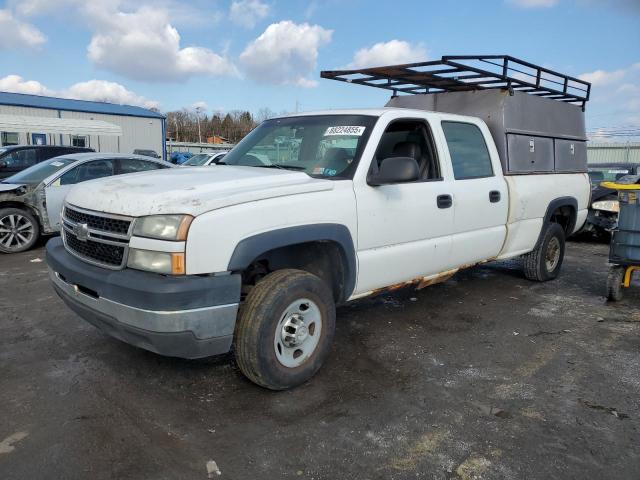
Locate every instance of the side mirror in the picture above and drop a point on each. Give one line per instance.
(395, 170)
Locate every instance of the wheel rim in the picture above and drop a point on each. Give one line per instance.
(553, 254)
(16, 231)
(298, 333)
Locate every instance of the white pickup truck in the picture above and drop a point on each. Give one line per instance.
(307, 212)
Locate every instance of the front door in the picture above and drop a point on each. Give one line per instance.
(404, 229)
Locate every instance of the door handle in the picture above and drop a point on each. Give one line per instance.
(444, 201)
(494, 196)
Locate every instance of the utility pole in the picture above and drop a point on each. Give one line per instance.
(198, 109)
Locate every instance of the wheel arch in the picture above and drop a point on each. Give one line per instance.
(22, 206)
(301, 243)
(562, 210)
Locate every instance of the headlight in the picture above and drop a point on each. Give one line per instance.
(159, 262)
(607, 205)
(163, 227)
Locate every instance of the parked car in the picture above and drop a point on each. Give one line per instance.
(259, 253)
(146, 153)
(31, 200)
(205, 159)
(13, 159)
(604, 207)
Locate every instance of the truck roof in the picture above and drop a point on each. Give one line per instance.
(374, 112)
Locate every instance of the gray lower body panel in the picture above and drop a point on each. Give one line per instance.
(170, 344)
(187, 317)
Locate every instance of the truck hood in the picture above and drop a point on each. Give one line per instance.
(190, 191)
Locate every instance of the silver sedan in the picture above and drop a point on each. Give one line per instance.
(31, 200)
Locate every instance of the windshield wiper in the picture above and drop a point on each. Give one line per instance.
(283, 167)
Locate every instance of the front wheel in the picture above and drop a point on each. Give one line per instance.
(285, 329)
(545, 261)
(19, 230)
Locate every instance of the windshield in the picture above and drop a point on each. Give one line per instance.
(606, 174)
(40, 171)
(323, 146)
(197, 160)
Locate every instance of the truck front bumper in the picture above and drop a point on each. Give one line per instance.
(186, 317)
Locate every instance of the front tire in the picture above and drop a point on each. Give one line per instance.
(19, 230)
(544, 263)
(285, 329)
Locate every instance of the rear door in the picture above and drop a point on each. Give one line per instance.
(479, 191)
(57, 190)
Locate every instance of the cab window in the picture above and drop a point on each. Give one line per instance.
(88, 171)
(409, 138)
(469, 154)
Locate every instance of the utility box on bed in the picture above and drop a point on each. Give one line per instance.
(532, 134)
(535, 115)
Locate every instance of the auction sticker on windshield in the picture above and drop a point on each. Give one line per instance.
(345, 130)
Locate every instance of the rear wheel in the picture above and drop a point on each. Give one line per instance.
(545, 262)
(285, 329)
(615, 278)
(19, 230)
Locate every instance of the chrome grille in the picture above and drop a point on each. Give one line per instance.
(98, 238)
(103, 253)
(106, 224)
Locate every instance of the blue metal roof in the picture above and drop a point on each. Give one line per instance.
(54, 103)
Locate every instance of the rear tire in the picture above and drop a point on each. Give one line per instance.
(544, 263)
(285, 329)
(19, 230)
(615, 278)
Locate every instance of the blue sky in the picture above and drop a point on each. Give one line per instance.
(249, 54)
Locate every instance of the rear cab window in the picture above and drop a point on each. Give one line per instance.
(468, 150)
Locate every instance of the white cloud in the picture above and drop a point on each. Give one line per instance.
(393, 52)
(143, 45)
(615, 102)
(600, 78)
(16, 84)
(94, 90)
(247, 13)
(201, 105)
(104, 91)
(285, 53)
(533, 3)
(138, 41)
(17, 34)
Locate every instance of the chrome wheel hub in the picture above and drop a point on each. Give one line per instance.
(552, 256)
(298, 333)
(15, 231)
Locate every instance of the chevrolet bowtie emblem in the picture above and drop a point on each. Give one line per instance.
(81, 231)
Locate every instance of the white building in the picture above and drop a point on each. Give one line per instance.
(105, 127)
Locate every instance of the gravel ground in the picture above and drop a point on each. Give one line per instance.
(485, 376)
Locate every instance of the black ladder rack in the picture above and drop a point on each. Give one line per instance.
(469, 72)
